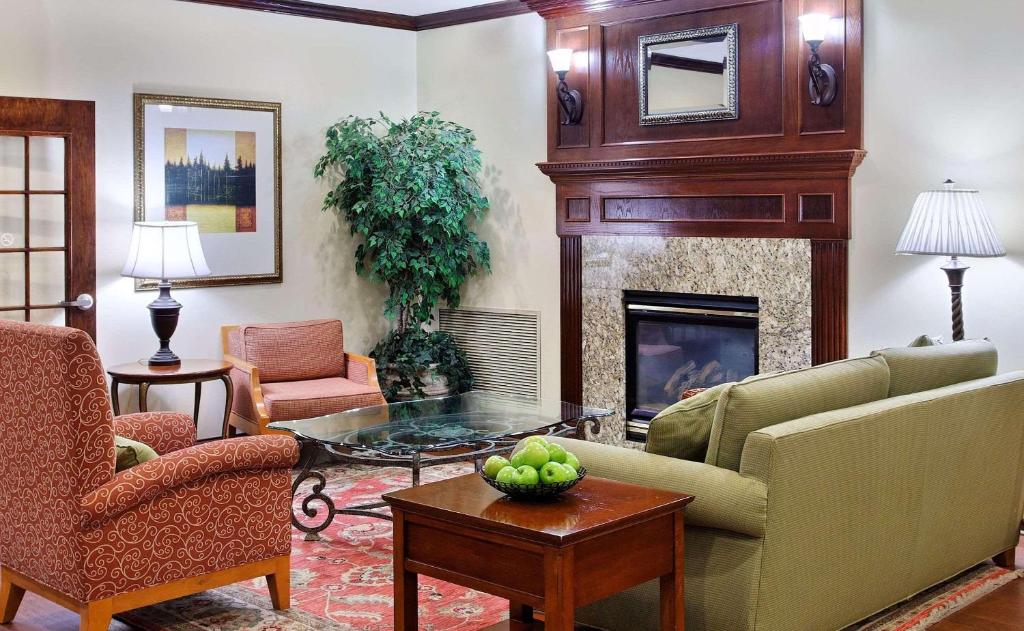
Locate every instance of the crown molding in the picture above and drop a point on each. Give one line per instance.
(317, 10)
(558, 8)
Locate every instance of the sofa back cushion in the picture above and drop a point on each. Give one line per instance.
(293, 351)
(682, 430)
(916, 369)
(765, 400)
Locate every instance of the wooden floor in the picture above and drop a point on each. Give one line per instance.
(1002, 610)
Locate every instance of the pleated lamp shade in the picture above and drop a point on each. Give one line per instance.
(165, 250)
(950, 222)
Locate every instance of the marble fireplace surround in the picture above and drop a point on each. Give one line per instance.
(776, 271)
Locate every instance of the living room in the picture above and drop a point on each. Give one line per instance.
(605, 213)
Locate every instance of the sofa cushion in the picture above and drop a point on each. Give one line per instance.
(916, 369)
(291, 400)
(682, 429)
(766, 400)
(131, 452)
(293, 351)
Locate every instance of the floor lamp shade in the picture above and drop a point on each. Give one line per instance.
(165, 250)
(951, 222)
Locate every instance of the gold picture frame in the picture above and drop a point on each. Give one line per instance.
(232, 277)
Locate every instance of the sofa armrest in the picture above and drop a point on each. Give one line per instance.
(165, 432)
(722, 498)
(361, 369)
(142, 483)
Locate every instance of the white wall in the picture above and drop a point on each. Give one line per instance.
(944, 97)
(104, 50)
(492, 77)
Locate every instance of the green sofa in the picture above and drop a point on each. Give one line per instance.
(830, 493)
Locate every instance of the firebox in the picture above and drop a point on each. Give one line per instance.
(679, 342)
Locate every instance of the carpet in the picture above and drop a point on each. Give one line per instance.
(343, 582)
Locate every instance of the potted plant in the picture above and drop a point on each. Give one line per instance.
(409, 190)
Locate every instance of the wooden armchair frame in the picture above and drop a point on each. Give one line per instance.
(235, 422)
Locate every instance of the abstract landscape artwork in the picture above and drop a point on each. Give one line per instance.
(216, 162)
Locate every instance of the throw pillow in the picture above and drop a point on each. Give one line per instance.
(683, 429)
(925, 340)
(131, 452)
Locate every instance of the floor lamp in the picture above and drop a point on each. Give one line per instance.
(951, 222)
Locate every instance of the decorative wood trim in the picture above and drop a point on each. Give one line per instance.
(559, 8)
(807, 165)
(829, 297)
(317, 10)
(571, 255)
(480, 13)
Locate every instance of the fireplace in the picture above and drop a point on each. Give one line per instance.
(677, 342)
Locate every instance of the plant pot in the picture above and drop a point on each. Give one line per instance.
(434, 385)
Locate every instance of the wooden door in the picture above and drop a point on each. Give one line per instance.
(48, 212)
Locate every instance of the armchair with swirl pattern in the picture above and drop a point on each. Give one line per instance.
(294, 370)
(74, 532)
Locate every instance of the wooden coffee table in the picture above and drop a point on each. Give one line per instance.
(597, 539)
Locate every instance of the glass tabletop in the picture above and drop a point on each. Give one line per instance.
(469, 419)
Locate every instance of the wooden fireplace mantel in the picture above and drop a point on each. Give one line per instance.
(781, 170)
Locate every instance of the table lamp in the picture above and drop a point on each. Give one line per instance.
(951, 222)
(165, 251)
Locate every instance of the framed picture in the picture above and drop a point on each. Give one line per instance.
(216, 162)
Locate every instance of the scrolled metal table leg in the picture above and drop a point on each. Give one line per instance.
(316, 494)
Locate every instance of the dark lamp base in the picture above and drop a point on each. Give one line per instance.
(163, 312)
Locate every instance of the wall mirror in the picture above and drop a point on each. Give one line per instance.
(689, 76)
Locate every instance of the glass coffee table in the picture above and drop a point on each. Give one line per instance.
(423, 433)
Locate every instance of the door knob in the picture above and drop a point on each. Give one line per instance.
(83, 302)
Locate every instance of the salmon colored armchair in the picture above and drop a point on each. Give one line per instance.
(196, 518)
(294, 370)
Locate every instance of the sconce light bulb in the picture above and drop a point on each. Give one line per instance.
(814, 27)
(561, 59)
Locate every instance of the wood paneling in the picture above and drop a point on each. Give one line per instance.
(577, 209)
(571, 265)
(829, 282)
(681, 209)
(817, 208)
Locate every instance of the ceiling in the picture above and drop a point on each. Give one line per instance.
(407, 7)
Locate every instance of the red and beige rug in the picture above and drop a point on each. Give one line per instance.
(343, 582)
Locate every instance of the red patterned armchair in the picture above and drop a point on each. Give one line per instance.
(73, 531)
(294, 370)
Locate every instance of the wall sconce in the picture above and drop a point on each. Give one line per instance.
(571, 101)
(823, 83)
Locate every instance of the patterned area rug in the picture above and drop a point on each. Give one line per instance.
(343, 582)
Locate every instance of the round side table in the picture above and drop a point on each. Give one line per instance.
(190, 371)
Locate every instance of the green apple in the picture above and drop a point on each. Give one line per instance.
(517, 458)
(495, 464)
(534, 454)
(572, 460)
(534, 439)
(556, 452)
(507, 475)
(527, 476)
(553, 473)
(570, 472)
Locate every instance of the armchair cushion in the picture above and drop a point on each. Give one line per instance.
(682, 430)
(130, 453)
(291, 400)
(293, 351)
(144, 482)
(163, 431)
(916, 369)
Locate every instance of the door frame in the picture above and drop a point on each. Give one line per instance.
(75, 121)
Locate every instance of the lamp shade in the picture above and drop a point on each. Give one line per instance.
(814, 26)
(165, 250)
(950, 222)
(561, 59)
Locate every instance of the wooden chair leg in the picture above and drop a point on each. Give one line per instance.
(10, 598)
(279, 584)
(1007, 558)
(96, 616)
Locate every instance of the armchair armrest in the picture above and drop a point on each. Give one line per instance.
(144, 482)
(165, 432)
(723, 498)
(361, 369)
(246, 382)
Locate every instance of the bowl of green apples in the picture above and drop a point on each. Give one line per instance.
(536, 469)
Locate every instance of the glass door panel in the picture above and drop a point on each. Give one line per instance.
(12, 221)
(46, 163)
(12, 163)
(46, 220)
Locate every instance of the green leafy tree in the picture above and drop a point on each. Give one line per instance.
(409, 190)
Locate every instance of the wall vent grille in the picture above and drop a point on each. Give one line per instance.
(503, 347)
